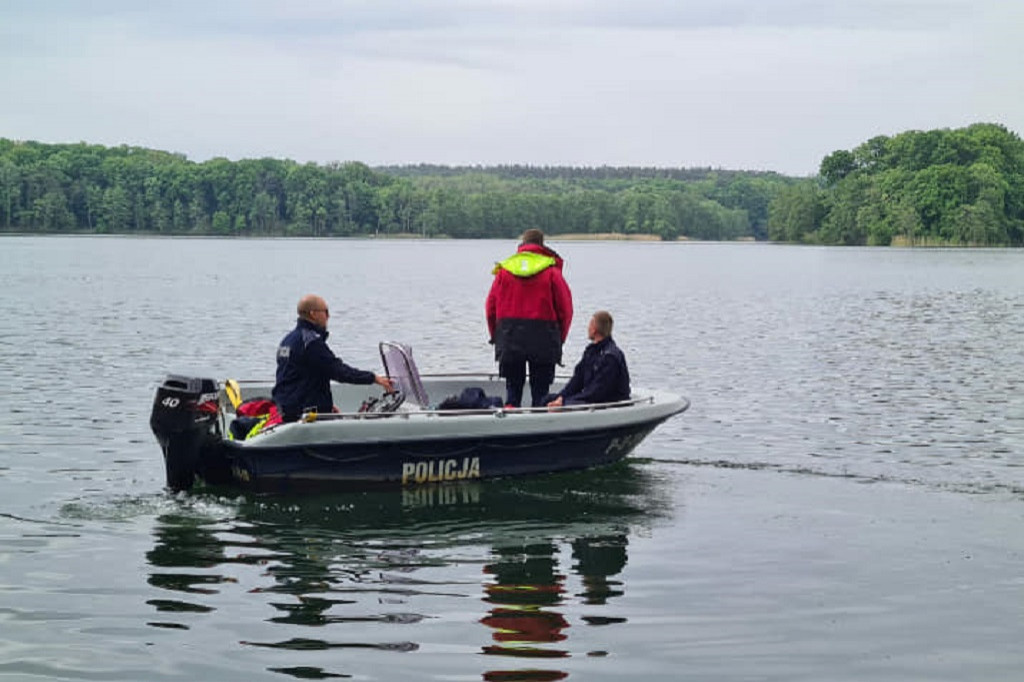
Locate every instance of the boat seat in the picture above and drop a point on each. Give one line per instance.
(401, 369)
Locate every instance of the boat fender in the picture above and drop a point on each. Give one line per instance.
(233, 392)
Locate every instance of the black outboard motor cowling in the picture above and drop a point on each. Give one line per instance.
(186, 424)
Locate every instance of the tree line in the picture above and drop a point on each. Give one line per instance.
(937, 187)
(67, 188)
(955, 187)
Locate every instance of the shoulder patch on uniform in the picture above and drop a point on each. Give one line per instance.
(284, 351)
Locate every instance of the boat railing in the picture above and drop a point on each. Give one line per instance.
(483, 376)
(492, 411)
(490, 377)
(409, 410)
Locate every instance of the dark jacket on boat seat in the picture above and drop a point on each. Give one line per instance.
(600, 377)
(305, 368)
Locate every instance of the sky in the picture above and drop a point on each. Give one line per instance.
(773, 85)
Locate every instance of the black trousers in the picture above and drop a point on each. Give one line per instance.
(514, 371)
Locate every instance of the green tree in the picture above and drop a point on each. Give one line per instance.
(263, 214)
(221, 223)
(10, 189)
(116, 212)
(962, 186)
(795, 214)
(837, 166)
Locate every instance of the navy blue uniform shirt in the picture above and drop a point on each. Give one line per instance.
(305, 368)
(600, 377)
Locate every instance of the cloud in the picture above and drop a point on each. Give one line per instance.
(763, 84)
(331, 17)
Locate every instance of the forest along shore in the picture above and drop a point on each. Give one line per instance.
(961, 187)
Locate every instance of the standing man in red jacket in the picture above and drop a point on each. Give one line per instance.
(529, 310)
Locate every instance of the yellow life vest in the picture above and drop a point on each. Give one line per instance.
(524, 264)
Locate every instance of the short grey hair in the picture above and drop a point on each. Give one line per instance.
(603, 322)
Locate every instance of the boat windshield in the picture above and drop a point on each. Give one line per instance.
(401, 369)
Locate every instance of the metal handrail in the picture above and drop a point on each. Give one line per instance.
(490, 376)
(495, 411)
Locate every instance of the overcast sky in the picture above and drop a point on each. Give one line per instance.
(738, 84)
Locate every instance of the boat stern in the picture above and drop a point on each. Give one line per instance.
(186, 422)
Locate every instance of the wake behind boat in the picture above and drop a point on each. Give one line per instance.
(399, 439)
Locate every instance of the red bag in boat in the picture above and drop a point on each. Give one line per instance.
(259, 407)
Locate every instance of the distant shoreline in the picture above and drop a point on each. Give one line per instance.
(605, 236)
(567, 237)
(897, 243)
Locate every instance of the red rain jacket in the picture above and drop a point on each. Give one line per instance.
(529, 317)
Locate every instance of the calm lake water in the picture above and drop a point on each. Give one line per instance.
(843, 500)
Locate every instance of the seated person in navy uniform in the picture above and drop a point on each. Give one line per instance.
(601, 376)
(306, 366)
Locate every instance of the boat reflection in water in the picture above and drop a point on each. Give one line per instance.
(528, 587)
(392, 571)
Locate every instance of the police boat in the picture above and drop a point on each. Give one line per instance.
(427, 431)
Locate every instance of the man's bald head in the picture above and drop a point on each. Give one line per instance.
(313, 308)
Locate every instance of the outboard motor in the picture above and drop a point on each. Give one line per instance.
(185, 423)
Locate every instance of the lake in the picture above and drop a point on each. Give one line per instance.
(843, 500)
